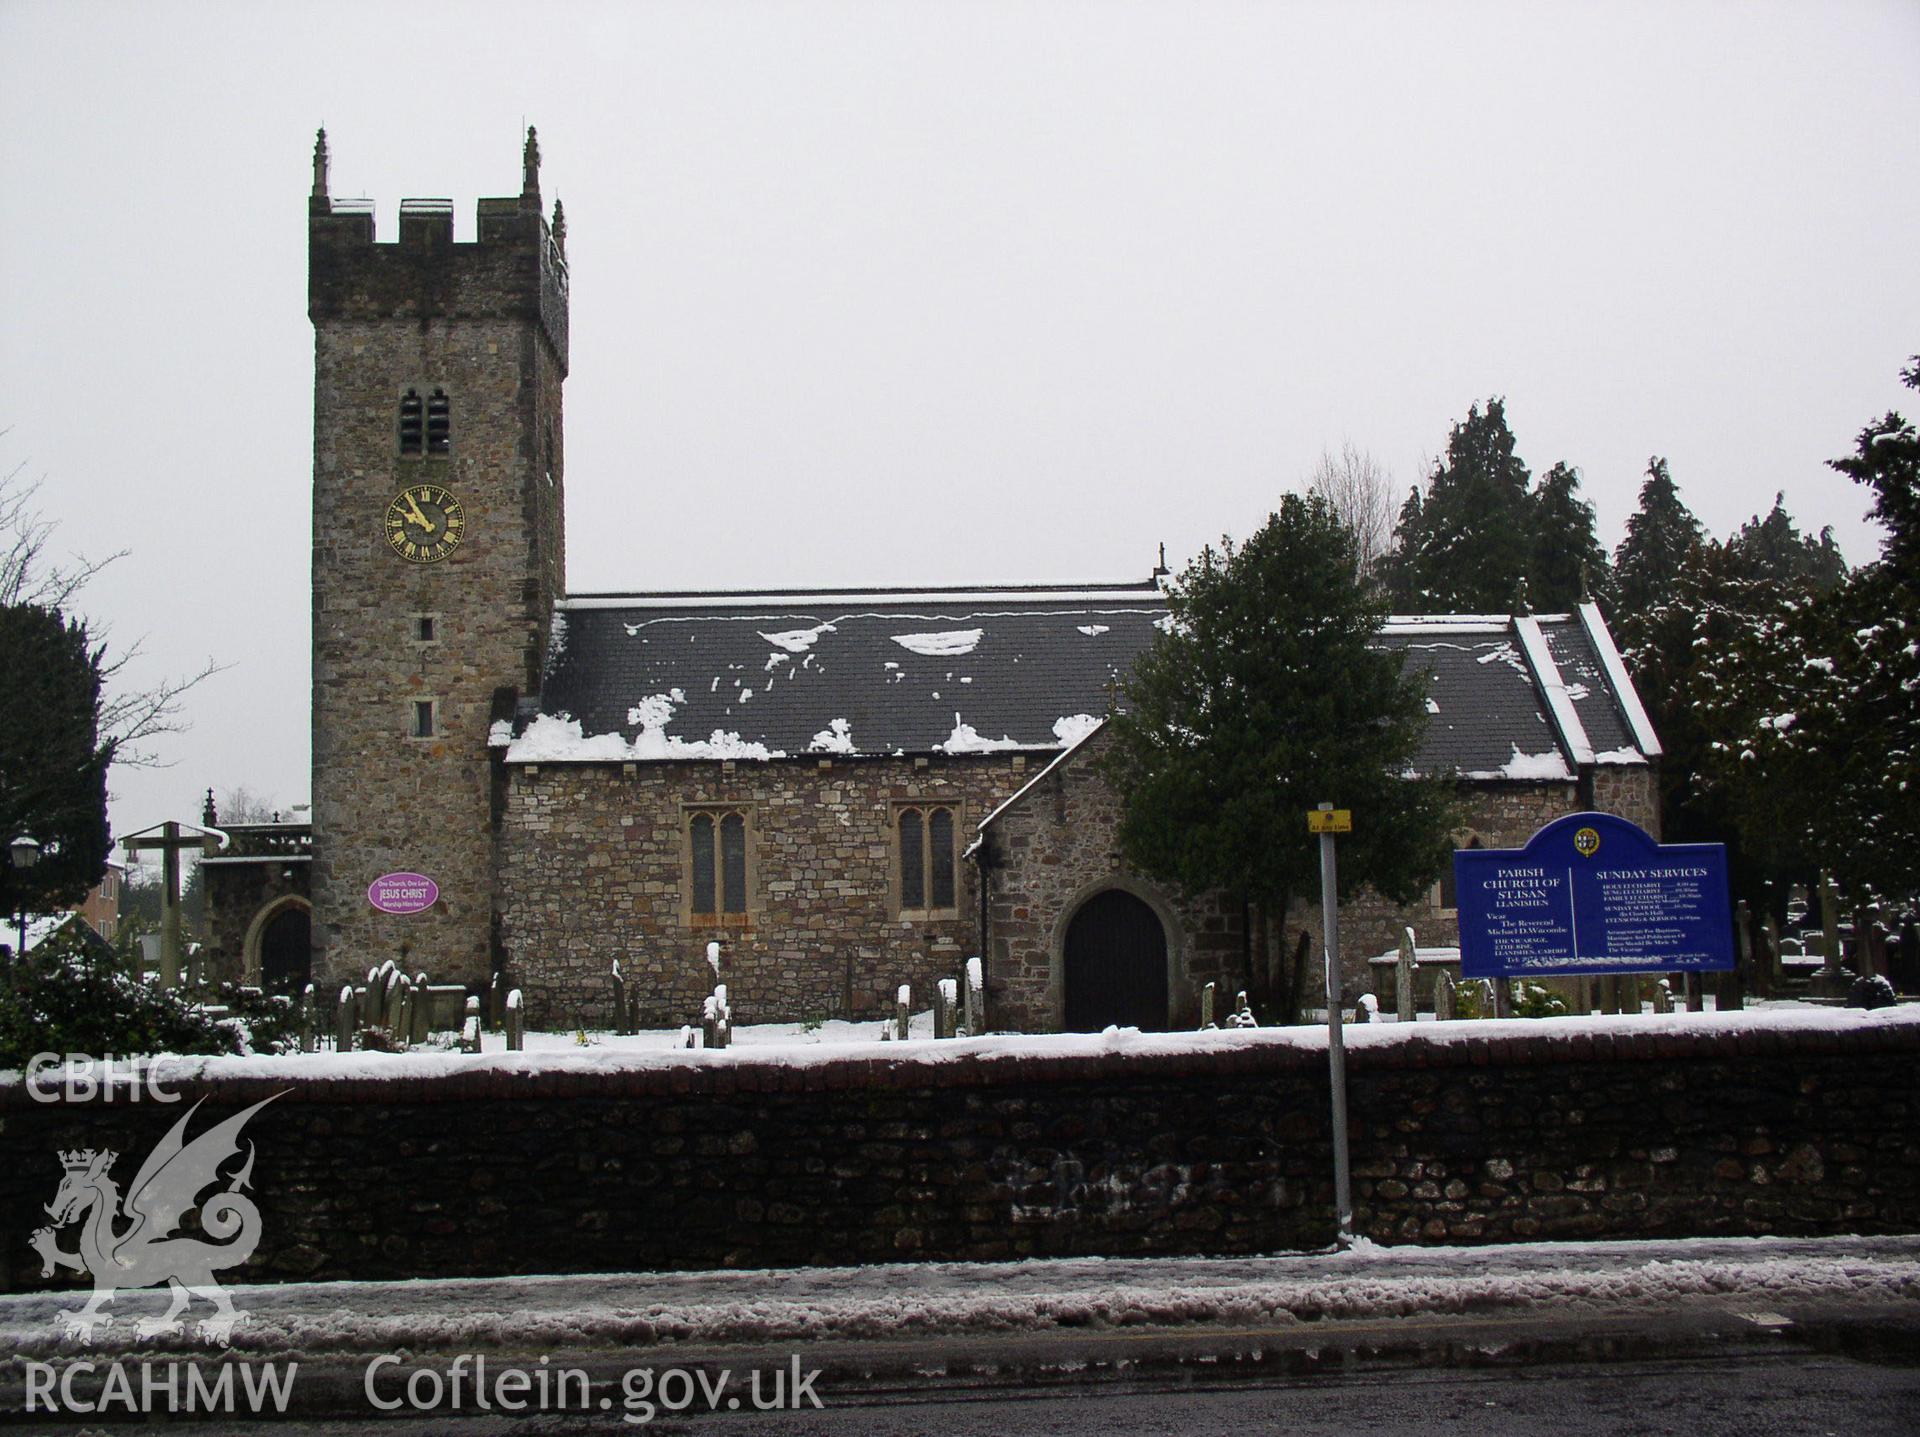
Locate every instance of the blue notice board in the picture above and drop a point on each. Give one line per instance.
(1591, 893)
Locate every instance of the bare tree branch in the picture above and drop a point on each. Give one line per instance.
(129, 720)
(25, 577)
(1361, 492)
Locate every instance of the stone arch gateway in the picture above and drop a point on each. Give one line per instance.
(279, 952)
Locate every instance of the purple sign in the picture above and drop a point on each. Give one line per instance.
(403, 893)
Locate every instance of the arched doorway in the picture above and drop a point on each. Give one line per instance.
(285, 949)
(1115, 965)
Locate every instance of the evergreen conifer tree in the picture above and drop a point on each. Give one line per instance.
(1266, 696)
(53, 764)
(1466, 543)
(1774, 548)
(1567, 559)
(1659, 535)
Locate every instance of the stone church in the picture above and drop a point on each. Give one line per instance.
(850, 788)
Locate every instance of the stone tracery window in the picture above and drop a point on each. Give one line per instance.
(717, 864)
(925, 855)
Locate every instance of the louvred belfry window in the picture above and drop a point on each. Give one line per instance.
(439, 423)
(412, 423)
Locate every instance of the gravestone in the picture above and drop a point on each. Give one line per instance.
(399, 1007)
(1403, 978)
(1206, 1008)
(420, 1009)
(902, 1012)
(1770, 955)
(1443, 997)
(516, 1034)
(445, 1006)
(343, 1020)
(716, 1018)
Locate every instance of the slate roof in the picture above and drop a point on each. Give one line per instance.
(924, 671)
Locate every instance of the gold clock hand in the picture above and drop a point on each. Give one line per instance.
(418, 517)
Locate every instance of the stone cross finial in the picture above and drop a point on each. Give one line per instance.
(1521, 603)
(208, 814)
(1586, 582)
(320, 163)
(530, 163)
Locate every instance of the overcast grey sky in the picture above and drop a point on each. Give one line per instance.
(946, 292)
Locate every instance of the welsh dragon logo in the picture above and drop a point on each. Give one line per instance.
(149, 1250)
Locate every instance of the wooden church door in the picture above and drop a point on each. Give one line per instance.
(1116, 965)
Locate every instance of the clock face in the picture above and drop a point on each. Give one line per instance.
(425, 523)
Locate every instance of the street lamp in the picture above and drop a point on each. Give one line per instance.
(26, 852)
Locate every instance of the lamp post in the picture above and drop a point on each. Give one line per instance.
(25, 851)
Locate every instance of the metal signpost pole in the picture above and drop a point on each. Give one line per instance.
(1326, 822)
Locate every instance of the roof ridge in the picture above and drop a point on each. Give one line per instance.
(1142, 586)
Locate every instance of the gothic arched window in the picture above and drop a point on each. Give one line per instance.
(717, 864)
(924, 847)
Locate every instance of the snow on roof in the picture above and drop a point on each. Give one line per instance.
(1621, 683)
(1021, 792)
(993, 669)
(1573, 736)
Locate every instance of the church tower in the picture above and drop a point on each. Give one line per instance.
(437, 558)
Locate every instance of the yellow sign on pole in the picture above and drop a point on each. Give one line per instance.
(1329, 820)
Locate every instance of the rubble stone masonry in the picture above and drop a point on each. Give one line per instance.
(485, 322)
(1053, 849)
(593, 868)
(1528, 1129)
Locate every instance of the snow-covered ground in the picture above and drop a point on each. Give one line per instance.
(1370, 1282)
(803, 1045)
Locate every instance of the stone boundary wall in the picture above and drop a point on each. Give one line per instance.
(1222, 1148)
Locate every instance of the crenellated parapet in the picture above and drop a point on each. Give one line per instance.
(516, 269)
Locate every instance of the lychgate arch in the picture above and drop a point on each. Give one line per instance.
(279, 948)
